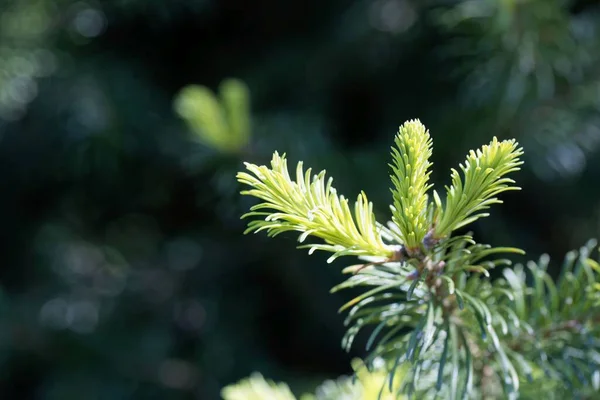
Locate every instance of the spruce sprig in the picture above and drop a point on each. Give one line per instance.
(411, 170)
(484, 178)
(311, 206)
(435, 313)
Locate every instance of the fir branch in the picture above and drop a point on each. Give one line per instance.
(411, 172)
(484, 178)
(435, 314)
(557, 325)
(311, 207)
(532, 327)
(414, 305)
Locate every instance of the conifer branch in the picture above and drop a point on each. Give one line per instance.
(442, 325)
(557, 326)
(410, 167)
(311, 207)
(484, 178)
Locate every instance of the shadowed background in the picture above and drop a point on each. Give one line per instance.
(125, 274)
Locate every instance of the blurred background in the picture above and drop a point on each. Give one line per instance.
(124, 272)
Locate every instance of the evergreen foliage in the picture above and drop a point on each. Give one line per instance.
(432, 303)
(124, 272)
(312, 207)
